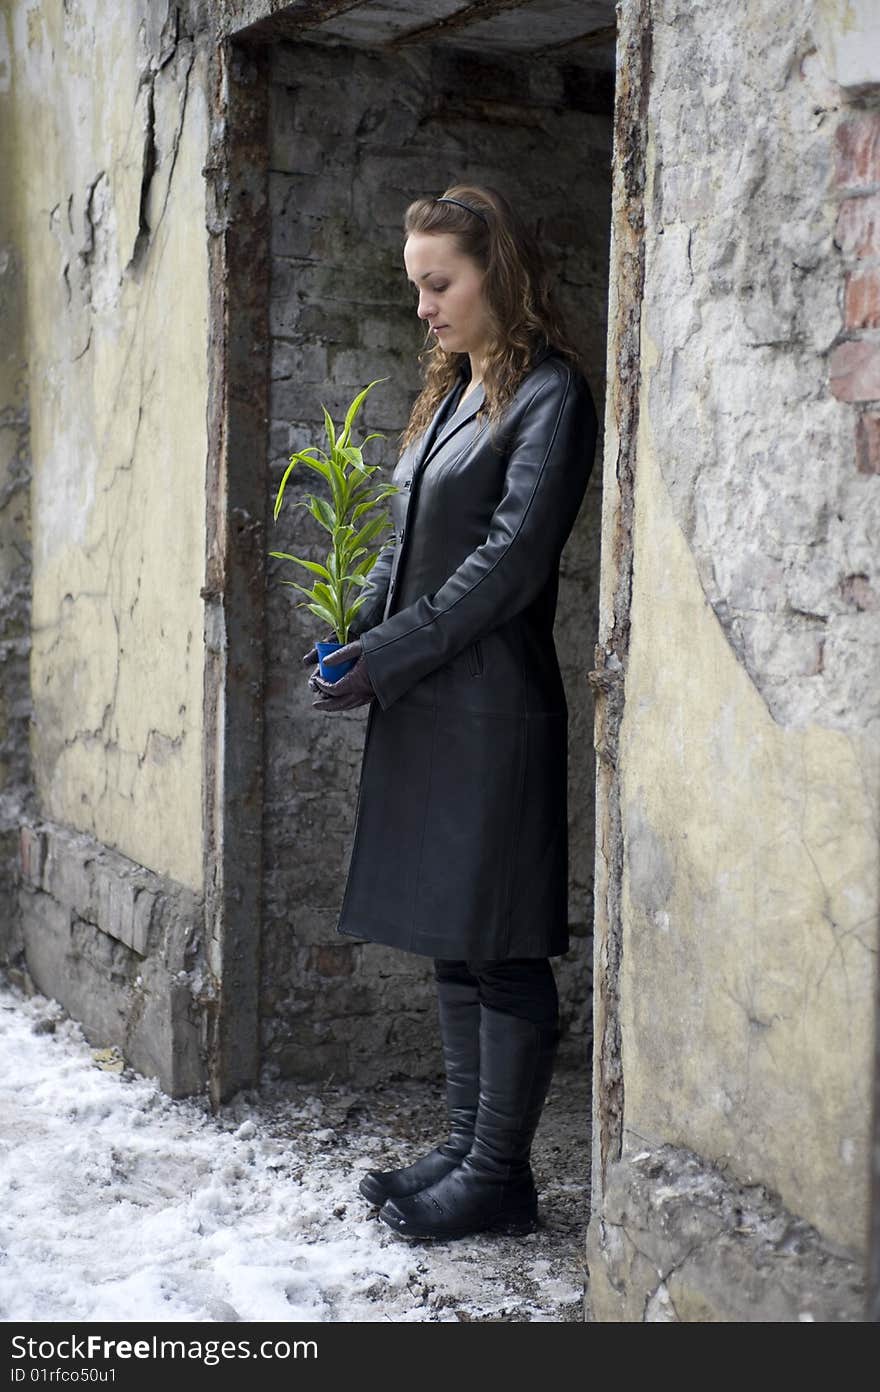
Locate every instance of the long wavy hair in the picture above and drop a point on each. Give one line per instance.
(523, 314)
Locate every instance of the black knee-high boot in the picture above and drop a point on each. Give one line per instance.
(492, 1188)
(459, 1010)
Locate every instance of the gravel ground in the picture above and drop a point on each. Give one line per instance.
(485, 1277)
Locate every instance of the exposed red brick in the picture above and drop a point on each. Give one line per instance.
(29, 854)
(868, 443)
(331, 960)
(856, 590)
(857, 151)
(855, 370)
(858, 226)
(861, 302)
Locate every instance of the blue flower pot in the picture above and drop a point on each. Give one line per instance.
(335, 670)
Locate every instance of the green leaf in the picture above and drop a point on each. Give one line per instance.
(364, 490)
(325, 594)
(322, 512)
(302, 589)
(354, 408)
(361, 509)
(281, 487)
(351, 554)
(370, 530)
(370, 504)
(329, 427)
(366, 565)
(323, 614)
(309, 565)
(343, 533)
(355, 605)
(320, 466)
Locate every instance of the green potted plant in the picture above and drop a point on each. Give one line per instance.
(353, 516)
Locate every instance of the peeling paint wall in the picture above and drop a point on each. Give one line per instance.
(749, 758)
(343, 168)
(110, 198)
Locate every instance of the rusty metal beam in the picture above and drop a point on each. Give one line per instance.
(452, 24)
(267, 21)
(593, 38)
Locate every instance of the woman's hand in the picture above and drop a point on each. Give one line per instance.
(354, 689)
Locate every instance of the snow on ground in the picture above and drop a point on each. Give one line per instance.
(121, 1203)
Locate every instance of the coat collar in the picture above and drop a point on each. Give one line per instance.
(448, 421)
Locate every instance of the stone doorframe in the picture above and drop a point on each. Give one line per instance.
(237, 479)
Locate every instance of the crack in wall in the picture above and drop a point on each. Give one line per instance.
(148, 169)
(172, 42)
(693, 1243)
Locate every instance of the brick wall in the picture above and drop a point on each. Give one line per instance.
(855, 360)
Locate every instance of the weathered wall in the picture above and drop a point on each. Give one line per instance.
(111, 212)
(104, 274)
(15, 550)
(749, 756)
(355, 136)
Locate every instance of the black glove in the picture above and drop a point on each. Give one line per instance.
(354, 689)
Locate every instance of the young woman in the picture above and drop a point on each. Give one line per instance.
(461, 832)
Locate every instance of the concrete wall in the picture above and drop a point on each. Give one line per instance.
(748, 754)
(110, 200)
(355, 135)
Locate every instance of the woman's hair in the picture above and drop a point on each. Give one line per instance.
(516, 287)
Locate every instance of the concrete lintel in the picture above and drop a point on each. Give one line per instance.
(266, 21)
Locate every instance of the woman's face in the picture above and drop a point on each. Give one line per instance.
(449, 286)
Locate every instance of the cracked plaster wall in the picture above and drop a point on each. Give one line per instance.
(110, 198)
(342, 172)
(749, 747)
(679, 1242)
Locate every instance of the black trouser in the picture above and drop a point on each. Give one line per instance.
(523, 986)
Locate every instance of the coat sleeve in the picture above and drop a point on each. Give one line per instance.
(550, 456)
(375, 591)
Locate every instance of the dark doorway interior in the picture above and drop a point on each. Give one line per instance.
(366, 112)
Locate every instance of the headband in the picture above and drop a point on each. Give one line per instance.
(467, 207)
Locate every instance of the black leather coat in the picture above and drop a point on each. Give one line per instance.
(461, 832)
